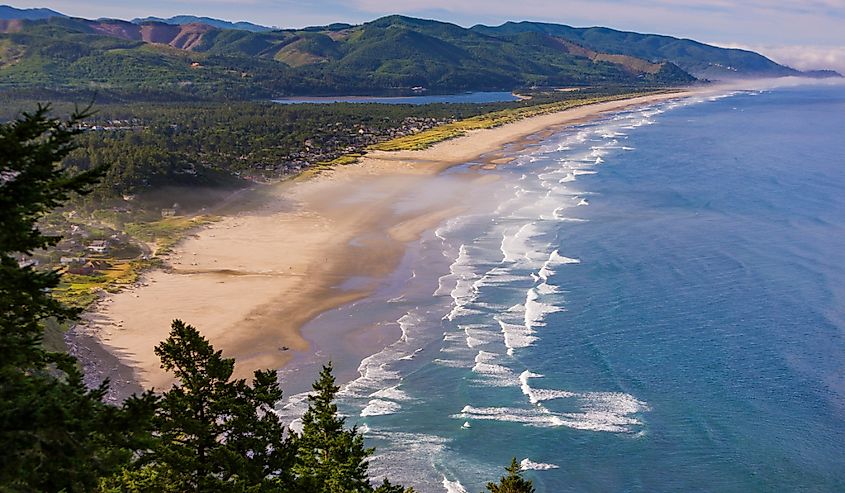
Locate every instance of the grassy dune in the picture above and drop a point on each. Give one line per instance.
(427, 138)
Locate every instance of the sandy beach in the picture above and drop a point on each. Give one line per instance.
(250, 281)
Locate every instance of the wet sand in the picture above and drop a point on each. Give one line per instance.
(251, 281)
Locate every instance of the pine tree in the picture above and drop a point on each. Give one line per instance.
(55, 434)
(216, 434)
(513, 482)
(329, 457)
(31, 185)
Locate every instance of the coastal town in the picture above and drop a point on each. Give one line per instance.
(339, 139)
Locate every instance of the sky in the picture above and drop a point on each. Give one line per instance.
(803, 33)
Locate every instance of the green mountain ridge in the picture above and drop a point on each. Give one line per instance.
(698, 59)
(390, 55)
(9, 12)
(193, 19)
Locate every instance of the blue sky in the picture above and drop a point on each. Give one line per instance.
(812, 29)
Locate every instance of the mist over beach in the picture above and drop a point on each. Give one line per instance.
(439, 249)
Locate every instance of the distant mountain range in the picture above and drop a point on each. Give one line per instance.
(699, 59)
(192, 19)
(9, 12)
(206, 58)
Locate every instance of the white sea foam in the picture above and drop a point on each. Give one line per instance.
(497, 276)
(558, 214)
(412, 355)
(554, 260)
(529, 465)
(479, 335)
(374, 371)
(296, 425)
(451, 225)
(614, 415)
(460, 311)
(453, 486)
(532, 417)
(539, 395)
(485, 363)
(393, 393)
(452, 363)
(406, 323)
(472, 342)
(545, 288)
(517, 246)
(516, 336)
(405, 457)
(378, 407)
(536, 311)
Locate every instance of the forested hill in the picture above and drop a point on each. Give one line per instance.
(179, 20)
(699, 59)
(394, 54)
(9, 12)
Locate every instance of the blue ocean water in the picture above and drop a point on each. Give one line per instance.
(655, 303)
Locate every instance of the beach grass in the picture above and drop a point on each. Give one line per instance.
(81, 290)
(165, 233)
(424, 139)
(427, 138)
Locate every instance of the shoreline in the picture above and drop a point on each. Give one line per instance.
(253, 280)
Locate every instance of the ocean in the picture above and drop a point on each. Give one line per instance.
(653, 301)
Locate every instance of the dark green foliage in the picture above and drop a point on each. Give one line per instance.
(218, 434)
(214, 433)
(31, 185)
(513, 482)
(329, 457)
(388, 55)
(699, 59)
(207, 433)
(54, 433)
(205, 144)
(387, 487)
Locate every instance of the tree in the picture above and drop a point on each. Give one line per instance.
(215, 433)
(31, 185)
(55, 434)
(513, 482)
(329, 457)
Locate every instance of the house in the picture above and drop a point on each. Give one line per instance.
(27, 262)
(72, 260)
(99, 246)
(81, 269)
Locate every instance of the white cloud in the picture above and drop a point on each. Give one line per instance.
(801, 57)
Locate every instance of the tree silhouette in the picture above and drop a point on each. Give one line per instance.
(55, 434)
(513, 482)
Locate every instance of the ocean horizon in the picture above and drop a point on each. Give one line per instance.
(652, 301)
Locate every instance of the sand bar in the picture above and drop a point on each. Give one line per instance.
(250, 281)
